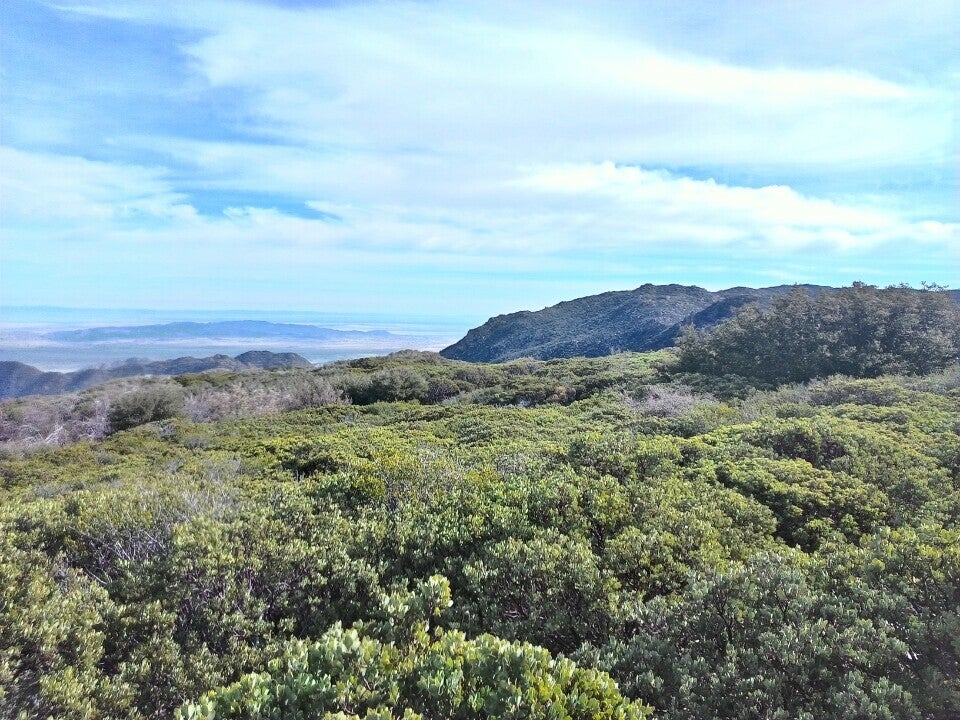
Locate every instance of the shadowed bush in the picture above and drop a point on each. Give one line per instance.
(143, 406)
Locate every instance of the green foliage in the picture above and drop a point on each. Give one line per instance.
(873, 455)
(548, 589)
(52, 642)
(399, 668)
(387, 385)
(858, 331)
(810, 504)
(792, 553)
(762, 640)
(144, 406)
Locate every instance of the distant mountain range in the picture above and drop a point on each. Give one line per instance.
(18, 379)
(648, 318)
(253, 329)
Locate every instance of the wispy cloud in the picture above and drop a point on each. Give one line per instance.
(668, 208)
(44, 190)
(581, 145)
(414, 75)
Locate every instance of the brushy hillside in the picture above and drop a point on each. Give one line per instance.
(30, 423)
(410, 536)
(858, 331)
(650, 317)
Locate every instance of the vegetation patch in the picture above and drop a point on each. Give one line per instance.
(411, 536)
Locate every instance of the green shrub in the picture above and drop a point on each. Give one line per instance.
(399, 668)
(143, 406)
(209, 561)
(764, 640)
(858, 331)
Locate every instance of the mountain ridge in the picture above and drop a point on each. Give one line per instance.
(649, 317)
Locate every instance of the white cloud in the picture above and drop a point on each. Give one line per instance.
(495, 137)
(545, 211)
(663, 207)
(472, 81)
(42, 189)
(393, 98)
(540, 83)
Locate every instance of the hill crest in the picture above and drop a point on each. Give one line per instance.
(649, 317)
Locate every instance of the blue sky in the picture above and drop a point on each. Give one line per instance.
(470, 158)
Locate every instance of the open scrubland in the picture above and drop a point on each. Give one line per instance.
(680, 534)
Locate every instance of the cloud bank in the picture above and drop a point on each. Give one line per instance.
(476, 155)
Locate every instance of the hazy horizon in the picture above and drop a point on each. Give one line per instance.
(20, 315)
(23, 328)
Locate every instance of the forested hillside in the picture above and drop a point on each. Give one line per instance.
(630, 536)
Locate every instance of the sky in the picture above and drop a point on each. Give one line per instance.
(470, 158)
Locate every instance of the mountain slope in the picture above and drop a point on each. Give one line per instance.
(647, 318)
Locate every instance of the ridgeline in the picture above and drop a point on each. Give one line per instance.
(647, 318)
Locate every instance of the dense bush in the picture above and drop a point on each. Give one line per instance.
(143, 406)
(858, 331)
(29, 424)
(400, 668)
(765, 640)
(793, 553)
